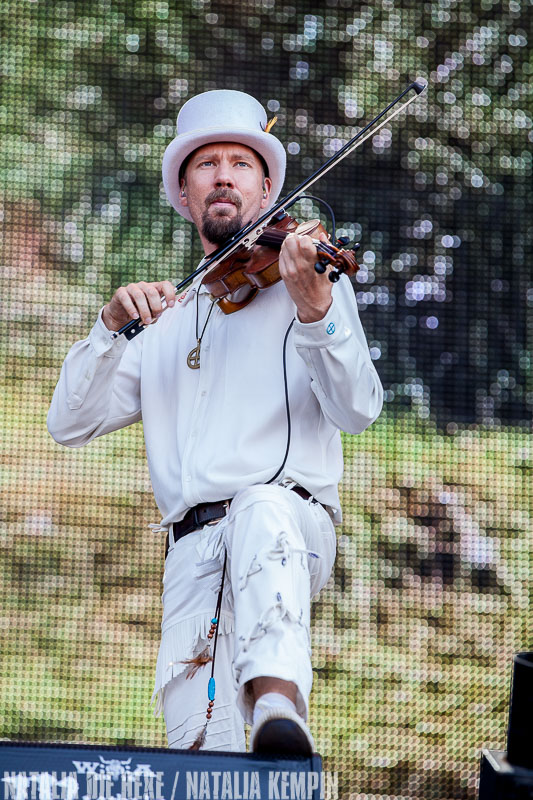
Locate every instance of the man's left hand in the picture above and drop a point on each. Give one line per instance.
(310, 291)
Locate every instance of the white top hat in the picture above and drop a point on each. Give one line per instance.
(221, 116)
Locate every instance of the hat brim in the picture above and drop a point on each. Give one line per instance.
(268, 146)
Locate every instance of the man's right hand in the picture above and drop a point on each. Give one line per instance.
(136, 300)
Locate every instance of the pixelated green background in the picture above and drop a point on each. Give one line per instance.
(414, 634)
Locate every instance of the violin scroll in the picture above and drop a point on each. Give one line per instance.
(340, 259)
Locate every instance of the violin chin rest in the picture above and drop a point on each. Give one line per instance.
(230, 306)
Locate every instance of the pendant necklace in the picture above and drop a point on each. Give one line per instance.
(193, 359)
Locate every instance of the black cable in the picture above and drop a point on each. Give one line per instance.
(287, 405)
(217, 612)
(318, 200)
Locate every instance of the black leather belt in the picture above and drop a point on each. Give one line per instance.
(200, 515)
(197, 517)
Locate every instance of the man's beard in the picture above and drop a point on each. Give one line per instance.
(219, 228)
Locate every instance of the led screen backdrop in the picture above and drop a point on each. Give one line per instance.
(413, 635)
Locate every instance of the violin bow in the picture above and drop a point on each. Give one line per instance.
(248, 235)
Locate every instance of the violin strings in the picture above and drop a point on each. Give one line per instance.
(272, 237)
(276, 238)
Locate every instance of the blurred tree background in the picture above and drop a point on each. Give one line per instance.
(414, 633)
(441, 201)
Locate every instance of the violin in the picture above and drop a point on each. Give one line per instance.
(257, 268)
(250, 258)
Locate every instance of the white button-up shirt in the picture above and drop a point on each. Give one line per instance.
(213, 430)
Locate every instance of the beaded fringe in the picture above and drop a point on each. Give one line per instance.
(213, 640)
(178, 645)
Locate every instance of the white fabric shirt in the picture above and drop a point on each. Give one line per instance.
(212, 431)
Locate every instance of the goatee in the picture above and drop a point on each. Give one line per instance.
(220, 227)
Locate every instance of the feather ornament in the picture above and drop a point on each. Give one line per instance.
(198, 662)
(200, 739)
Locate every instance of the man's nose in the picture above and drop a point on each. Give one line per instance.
(223, 176)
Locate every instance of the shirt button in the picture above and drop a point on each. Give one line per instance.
(188, 478)
(204, 393)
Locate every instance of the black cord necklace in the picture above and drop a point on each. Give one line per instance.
(193, 359)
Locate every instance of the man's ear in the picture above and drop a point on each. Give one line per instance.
(267, 188)
(183, 193)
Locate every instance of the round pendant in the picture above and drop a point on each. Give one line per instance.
(193, 359)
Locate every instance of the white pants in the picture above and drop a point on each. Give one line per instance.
(281, 549)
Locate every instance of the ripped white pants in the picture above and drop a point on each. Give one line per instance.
(281, 549)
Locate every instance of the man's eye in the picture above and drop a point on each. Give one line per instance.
(204, 163)
(243, 163)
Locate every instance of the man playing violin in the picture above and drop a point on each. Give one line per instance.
(242, 416)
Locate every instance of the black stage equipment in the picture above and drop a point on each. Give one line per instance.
(509, 775)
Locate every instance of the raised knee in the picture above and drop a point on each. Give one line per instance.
(259, 493)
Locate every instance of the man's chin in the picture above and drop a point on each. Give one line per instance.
(218, 228)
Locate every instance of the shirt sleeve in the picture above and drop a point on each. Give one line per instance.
(336, 354)
(98, 389)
